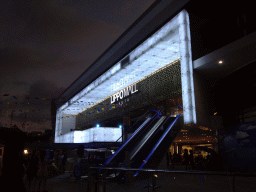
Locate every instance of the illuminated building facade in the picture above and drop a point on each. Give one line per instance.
(175, 56)
(160, 68)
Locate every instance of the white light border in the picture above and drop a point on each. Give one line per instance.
(189, 111)
(188, 94)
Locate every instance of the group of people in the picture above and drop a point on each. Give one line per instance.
(39, 168)
(36, 171)
(23, 174)
(187, 159)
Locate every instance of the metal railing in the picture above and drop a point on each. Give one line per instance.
(101, 180)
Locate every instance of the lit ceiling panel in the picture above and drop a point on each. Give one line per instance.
(159, 50)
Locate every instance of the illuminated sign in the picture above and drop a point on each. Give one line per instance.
(124, 93)
(124, 81)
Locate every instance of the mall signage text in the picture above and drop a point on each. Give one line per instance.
(124, 81)
(124, 93)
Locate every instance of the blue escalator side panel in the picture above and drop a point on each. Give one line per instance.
(127, 141)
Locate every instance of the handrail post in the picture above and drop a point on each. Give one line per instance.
(154, 183)
(129, 174)
(232, 185)
(104, 182)
(96, 180)
(90, 179)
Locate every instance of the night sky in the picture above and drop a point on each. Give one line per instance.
(46, 45)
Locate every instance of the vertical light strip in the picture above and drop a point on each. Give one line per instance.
(61, 133)
(188, 96)
(57, 127)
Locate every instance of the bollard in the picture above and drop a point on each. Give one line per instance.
(101, 187)
(232, 184)
(154, 186)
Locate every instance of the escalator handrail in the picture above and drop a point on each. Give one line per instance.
(159, 141)
(135, 123)
(125, 143)
(128, 140)
(156, 126)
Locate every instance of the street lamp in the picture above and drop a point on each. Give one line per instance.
(25, 151)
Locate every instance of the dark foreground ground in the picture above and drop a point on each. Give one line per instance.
(164, 182)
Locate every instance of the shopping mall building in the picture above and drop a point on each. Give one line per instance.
(180, 57)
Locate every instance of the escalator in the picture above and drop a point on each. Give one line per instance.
(148, 144)
(163, 134)
(139, 151)
(118, 158)
(160, 143)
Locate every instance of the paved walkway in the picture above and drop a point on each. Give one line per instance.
(64, 183)
(165, 181)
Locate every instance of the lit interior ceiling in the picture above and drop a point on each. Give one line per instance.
(156, 52)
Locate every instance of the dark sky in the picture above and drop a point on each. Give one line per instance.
(46, 45)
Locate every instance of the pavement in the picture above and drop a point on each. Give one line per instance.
(164, 182)
(65, 183)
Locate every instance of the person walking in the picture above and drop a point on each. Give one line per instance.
(32, 171)
(11, 177)
(175, 160)
(191, 159)
(185, 157)
(42, 173)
